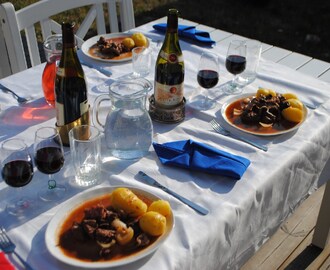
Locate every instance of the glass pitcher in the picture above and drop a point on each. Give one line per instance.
(128, 127)
(53, 51)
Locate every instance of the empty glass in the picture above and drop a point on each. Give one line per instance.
(85, 148)
(141, 59)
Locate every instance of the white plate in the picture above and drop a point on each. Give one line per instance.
(92, 41)
(258, 132)
(52, 231)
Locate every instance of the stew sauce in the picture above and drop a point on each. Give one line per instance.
(236, 120)
(89, 250)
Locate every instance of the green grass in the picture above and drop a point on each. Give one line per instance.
(77, 15)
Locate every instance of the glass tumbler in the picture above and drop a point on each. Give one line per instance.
(53, 51)
(85, 146)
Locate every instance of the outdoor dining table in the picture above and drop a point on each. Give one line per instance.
(243, 214)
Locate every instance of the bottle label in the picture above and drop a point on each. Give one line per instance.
(168, 95)
(60, 114)
(60, 121)
(171, 57)
(84, 107)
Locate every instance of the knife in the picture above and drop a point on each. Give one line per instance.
(151, 181)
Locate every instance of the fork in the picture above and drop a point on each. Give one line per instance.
(9, 247)
(220, 129)
(20, 100)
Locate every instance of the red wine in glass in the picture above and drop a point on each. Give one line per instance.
(235, 64)
(17, 173)
(207, 78)
(49, 160)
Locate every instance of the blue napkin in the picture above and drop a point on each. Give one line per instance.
(201, 157)
(188, 32)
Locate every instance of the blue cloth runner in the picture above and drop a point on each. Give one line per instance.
(201, 157)
(188, 32)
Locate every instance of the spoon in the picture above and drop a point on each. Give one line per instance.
(20, 100)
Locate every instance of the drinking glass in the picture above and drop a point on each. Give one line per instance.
(49, 159)
(141, 60)
(235, 64)
(253, 53)
(17, 171)
(85, 147)
(207, 78)
(53, 51)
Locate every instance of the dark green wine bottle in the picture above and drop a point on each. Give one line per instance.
(71, 102)
(169, 69)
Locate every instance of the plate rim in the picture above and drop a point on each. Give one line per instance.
(91, 41)
(57, 220)
(244, 95)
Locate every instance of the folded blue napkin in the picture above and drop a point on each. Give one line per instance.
(201, 157)
(188, 32)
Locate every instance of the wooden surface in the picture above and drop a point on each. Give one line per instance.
(290, 247)
(322, 228)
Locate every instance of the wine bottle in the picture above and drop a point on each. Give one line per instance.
(169, 69)
(71, 102)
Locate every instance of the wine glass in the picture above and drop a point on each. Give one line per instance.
(17, 171)
(49, 159)
(207, 78)
(235, 64)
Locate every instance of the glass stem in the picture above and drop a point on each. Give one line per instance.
(51, 182)
(233, 82)
(205, 95)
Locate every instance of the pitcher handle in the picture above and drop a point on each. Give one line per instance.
(96, 106)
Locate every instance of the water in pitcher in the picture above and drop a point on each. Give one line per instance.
(128, 127)
(131, 134)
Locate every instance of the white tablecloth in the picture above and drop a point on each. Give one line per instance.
(243, 214)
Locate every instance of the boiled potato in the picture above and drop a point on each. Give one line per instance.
(262, 91)
(293, 114)
(160, 206)
(129, 43)
(153, 223)
(272, 92)
(295, 103)
(289, 96)
(140, 40)
(265, 92)
(126, 200)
